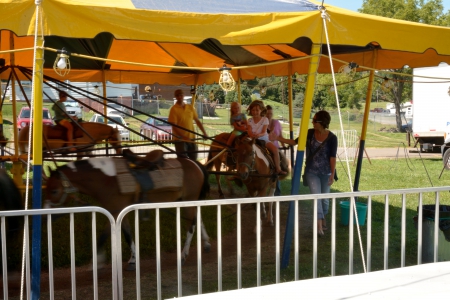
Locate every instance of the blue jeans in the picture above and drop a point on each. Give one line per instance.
(318, 184)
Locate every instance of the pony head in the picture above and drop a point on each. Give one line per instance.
(57, 189)
(245, 156)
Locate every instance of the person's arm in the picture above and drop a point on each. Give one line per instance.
(200, 125)
(280, 138)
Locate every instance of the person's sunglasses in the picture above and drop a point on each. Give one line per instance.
(316, 121)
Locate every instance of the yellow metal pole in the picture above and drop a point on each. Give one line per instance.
(104, 95)
(362, 140)
(295, 188)
(239, 87)
(291, 111)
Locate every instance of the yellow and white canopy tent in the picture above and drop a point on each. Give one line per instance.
(187, 41)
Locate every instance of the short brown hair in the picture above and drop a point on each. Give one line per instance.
(62, 94)
(178, 92)
(324, 117)
(257, 103)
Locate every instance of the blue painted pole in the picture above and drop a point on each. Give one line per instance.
(307, 104)
(362, 141)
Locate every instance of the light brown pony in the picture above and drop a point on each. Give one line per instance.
(255, 171)
(91, 176)
(217, 146)
(54, 138)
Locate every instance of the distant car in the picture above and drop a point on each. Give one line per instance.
(23, 118)
(157, 129)
(124, 132)
(114, 108)
(73, 109)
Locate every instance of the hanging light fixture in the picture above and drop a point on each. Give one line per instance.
(62, 62)
(348, 70)
(226, 80)
(387, 84)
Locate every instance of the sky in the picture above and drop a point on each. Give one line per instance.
(356, 4)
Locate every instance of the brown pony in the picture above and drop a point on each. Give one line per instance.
(91, 176)
(85, 138)
(256, 171)
(217, 147)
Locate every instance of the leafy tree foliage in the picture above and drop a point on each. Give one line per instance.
(427, 12)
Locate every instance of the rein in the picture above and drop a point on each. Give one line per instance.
(68, 188)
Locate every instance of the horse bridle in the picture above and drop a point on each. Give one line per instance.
(68, 188)
(250, 167)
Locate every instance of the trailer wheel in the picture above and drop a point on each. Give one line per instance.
(446, 159)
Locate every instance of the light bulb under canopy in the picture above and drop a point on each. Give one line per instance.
(226, 80)
(62, 62)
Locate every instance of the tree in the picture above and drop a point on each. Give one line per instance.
(427, 12)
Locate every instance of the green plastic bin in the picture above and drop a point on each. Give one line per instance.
(361, 208)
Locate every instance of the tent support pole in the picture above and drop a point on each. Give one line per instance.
(295, 189)
(291, 111)
(37, 169)
(362, 140)
(239, 87)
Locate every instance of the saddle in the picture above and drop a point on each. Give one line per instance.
(59, 132)
(150, 162)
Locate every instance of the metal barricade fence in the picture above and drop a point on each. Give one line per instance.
(294, 201)
(351, 142)
(49, 213)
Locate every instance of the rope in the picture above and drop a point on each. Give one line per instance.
(326, 17)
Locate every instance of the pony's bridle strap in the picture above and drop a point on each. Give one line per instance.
(68, 188)
(250, 167)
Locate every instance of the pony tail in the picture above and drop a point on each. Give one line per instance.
(205, 187)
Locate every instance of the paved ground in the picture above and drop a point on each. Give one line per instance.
(374, 153)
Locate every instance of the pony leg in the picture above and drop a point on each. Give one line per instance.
(127, 234)
(219, 187)
(270, 215)
(187, 243)
(205, 238)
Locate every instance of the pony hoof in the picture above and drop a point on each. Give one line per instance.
(131, 267)
(207, 248)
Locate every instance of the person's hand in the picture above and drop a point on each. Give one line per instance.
(331, 179)
(272, 136)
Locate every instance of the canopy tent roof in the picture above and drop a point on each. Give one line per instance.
(202, 36)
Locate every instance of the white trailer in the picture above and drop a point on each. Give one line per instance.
(431, 108)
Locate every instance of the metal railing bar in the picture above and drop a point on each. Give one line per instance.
(315, 238)
(436, 228)
(403, 232)
(238, 251)
(94, 254)
(386, 232)
(420, 228)
(72, 257)
(50, 256)
(258, 243)
(199, 250)
(219, 248)
(179, 277)
(277, 241)
(333, 237)
(137, 247)
(369, 234)
(4, 260)
(296, 242)
(158, 255)
(351, 237)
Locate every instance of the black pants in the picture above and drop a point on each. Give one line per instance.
(186, 150)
